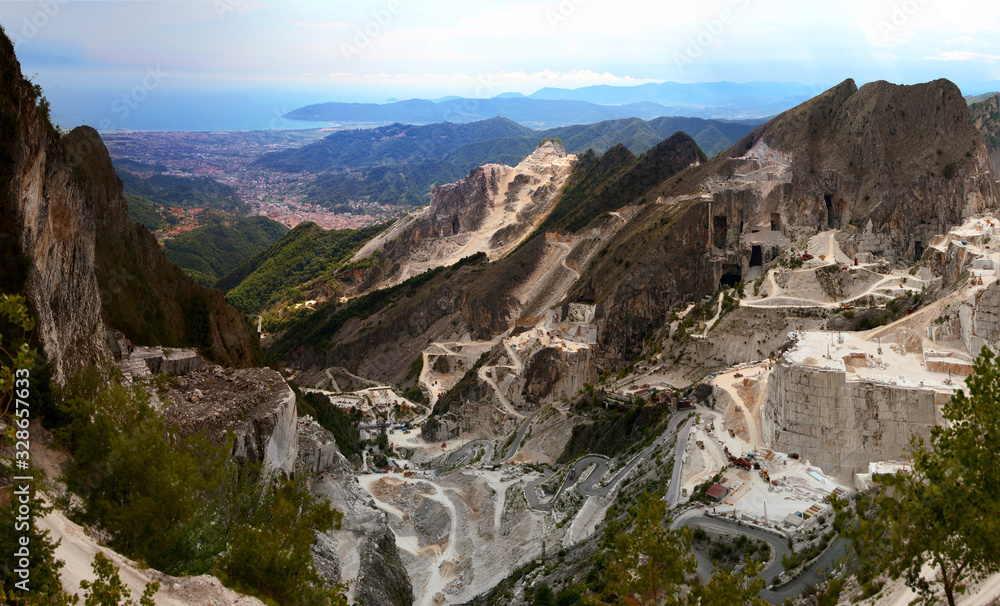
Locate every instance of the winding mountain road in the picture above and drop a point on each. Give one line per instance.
(467, 452)
(815, 572)
(590, 486)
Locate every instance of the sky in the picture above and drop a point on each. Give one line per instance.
(146, 55)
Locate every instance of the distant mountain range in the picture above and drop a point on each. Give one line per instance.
(400, 164)
(550, 107)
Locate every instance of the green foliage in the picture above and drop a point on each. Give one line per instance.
(108, 590)
(342, 424)
(798, 558)
(949, 170)
(943, 512)
(44, 586)
(304, 253)
(391, 145)
(176, 502)
(148, 491)
(273, 560)
(577, 205)
(831, 593)
(727, 587)
(15, 351)
(543, 596)
(383, 185)
(569, 597)
(217, 248)
(182, 192)
(649, 563)
(615, 433)
(143, 212)
(321, 325)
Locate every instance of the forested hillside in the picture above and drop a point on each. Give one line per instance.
(304, 253)
(213, 250)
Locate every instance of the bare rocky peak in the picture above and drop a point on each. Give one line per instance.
(491, 210)
(900, 163)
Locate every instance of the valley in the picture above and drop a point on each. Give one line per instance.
(634, 361)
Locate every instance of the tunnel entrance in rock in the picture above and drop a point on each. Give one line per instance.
(918, 250)
(775, 221)
(756, 257)
(831, 218)
(731, 275)
(719, 227)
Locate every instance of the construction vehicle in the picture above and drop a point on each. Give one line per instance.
(732, 434)
(700, 444)
(743, 464)
(765, 476)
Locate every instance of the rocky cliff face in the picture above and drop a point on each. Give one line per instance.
(364, 550)
(69, 246)
(491, 210)
(901, 163)
(48, 227)
(892, 166)
(255, 404)
(986, 117)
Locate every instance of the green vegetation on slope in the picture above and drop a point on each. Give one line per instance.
(605, 184)
(182, 192)
(390, 145)
(614, 432)
(343, 425)
(182, 504)
(143, 212)
(351, 191)
(317, 329)
(304, 253)
(213, 250)
(589, 175)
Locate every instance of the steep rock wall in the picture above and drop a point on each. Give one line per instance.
(840, 425)
(363, 550)
(492, 210)
(255, 404)
(69, 245)
(48, 226)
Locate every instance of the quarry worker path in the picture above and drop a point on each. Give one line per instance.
(715, 318)
(564, 264)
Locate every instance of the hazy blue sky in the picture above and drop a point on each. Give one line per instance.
(92, 52)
